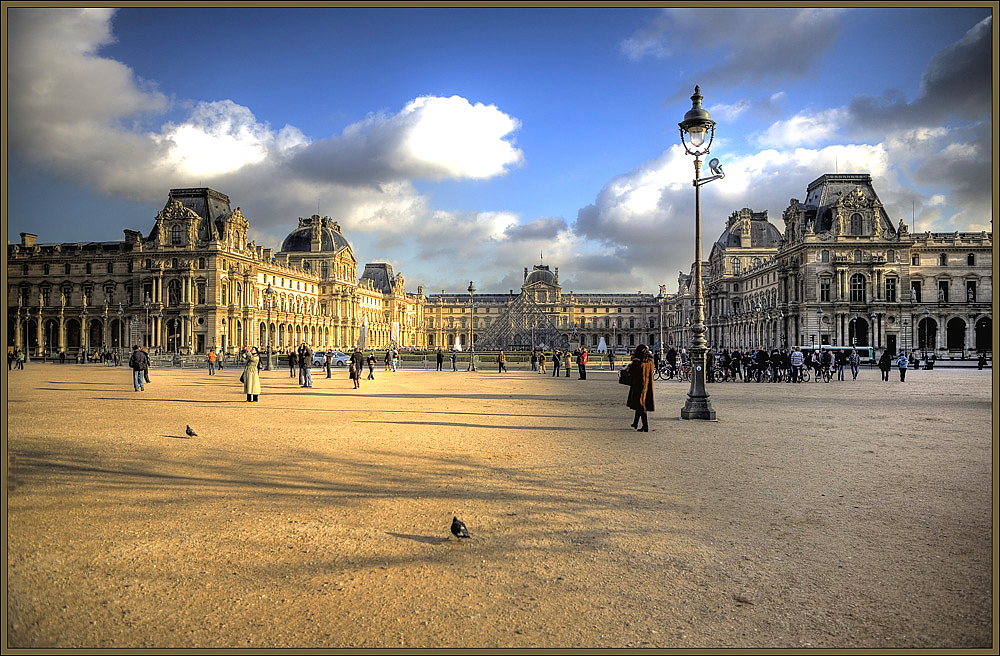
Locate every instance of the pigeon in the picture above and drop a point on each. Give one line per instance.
(458, 528)
(190, 432)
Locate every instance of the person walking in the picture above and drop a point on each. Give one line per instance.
(541, 362)
(371, 364)
(982, 361)
(212, 357)
(251, 375)
(454, 361)
(395, 360)
(328, 363)
(855, 361)
(903, 363)
(501, 362)
(20, 359)
(388, 359)
(534, 360)
(11, 356)
(581, 362)
(292, 357)
(357, 364)
(556, 363)
(440, 359)
(221, 360)
(139, 362)
(640, 391)
(305, 365)
(885, 364)
(611, 360)
(301, 361)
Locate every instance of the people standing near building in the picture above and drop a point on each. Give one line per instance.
(556, 363)
(581, 363)
(62, 356)
(387, 359)
(139, 362)
(534, 360)
(328, 363)
(440, 359)
(212, 357)
(982, 360)
(501, 362)
(885, 364)
(797, 360)
(903, 362)
(11, 356)
(855, 361)
(611, 359)
(640, 391)
(541, 362)
(292, 357)
(454, 361)
(371, 364)
(395, 359)
(305, 365)
(840, 362)
(672, 361)
(826, 358)
(251, 375)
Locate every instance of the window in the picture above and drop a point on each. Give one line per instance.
(970, 259)
(736, 266)
(175, 235)
(942, 291)
(174, 292)
(824, 290)
(943, 259)
(111, 267)
(857, 224)
(891, 256)
(201, 263)
(24, 269)
(90, 268)
(45, 269)
(857, 255)
(890, 290)
(174, 263)
(824, 256)
(201, 293)
(858, 288)
(970, 291)
(45, 295)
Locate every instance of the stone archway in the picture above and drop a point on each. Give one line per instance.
(857, 332)
(956, 334)
(984, 334)
(927, 334)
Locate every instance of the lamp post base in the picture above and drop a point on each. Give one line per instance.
(698, 408)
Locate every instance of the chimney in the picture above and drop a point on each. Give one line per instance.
(28, 239)
(525, 273)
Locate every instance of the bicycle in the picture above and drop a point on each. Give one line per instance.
(684, 374)
(664, 372)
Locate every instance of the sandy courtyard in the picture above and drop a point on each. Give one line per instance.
(854, 514)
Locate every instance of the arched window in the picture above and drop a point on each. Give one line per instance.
(943, 259)
(66, 268)
(970, 259)
(915, 260)
(857, 224)
(858, 288)
(175, 235)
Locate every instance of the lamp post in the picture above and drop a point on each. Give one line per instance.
(854, 330)
(697, 133)
(876, 342)
(819, 325)
(147, 303)
(923, 340)
(268, 299)
(659, 300)
(472, 327)
(760, 324)
(121, 326)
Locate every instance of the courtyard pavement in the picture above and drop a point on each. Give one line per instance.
(849, 514)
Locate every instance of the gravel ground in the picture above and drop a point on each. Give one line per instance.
(853, 514)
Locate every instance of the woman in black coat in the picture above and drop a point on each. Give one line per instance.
(640, 392)
(885, 364)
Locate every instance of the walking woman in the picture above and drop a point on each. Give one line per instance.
(885, 364)
(501, 362)
(640, 393)
(251, 375)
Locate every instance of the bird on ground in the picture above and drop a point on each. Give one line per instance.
(190, 432)
(458, 528)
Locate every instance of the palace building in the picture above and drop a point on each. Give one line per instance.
(197, 282)
(841, 273)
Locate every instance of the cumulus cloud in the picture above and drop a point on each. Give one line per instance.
(743, 38)
(805, 128)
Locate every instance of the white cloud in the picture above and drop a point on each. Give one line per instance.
(805, 128)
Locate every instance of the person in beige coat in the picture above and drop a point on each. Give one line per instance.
(251, 376)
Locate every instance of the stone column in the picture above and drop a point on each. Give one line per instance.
(39, 336)
(62, 330)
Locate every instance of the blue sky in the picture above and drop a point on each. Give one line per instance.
(459, 144)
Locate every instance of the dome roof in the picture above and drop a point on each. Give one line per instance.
(762, 232)
(541, 273)
(300, 239)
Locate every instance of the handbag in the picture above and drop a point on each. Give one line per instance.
(623, 376)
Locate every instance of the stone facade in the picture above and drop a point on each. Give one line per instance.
(197, 282)
(842, 274)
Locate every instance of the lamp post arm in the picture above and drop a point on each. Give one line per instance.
(703, 181)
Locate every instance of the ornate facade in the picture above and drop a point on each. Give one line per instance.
(197, 282)
(842, 274)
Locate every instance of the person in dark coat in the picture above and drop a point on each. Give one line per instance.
(355, 367)
(440, 360)
(139, 362)
(640, 392)
(885, 364)
(292, 361)
(328, 363)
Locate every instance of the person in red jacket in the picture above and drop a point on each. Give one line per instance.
(581, 362)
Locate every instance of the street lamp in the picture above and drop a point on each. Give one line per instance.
(819, 325)
(121, 327)
(472, 327)
(268, 299)
(926, 324)
(878, 341)
(697, 133)
(147, 303)
(854, 330)
(659, 299)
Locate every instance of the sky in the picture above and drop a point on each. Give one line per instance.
(466, 144)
